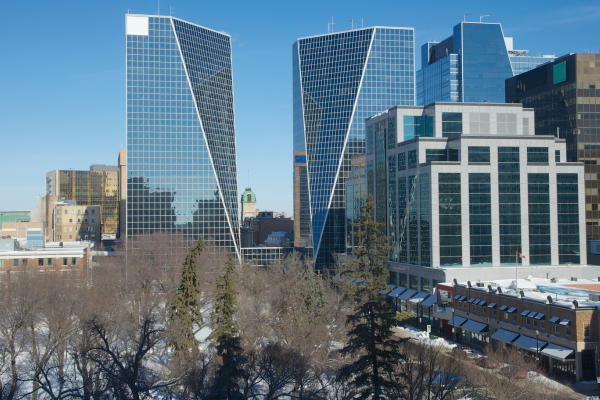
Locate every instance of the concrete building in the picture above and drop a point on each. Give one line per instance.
(97, 187)
(27, 233)
(14, 216)
(565, 96)
(261, 227)
(63, 260)
(75, 223)
(280, 239)
(471, 65)
(463, 187)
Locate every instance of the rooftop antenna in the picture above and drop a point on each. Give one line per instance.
(465, 17)
(128, 10)
(158, 7)
(332, 24)
(482, 16)
(171, 11)
(352, 21)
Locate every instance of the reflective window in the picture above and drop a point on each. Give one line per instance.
(425, 222)
(480, 219)
(568, 218)
(413, 224)
(509, 199)
(393, 216)
(540, 251)
(412, 159)
(506, 124)
(401, 161)
(436, 155)
(479, 154)
(537, 154)
(557, 156)
(381, 198)
(392, 139)
(450, 220)
(451, 124)
(480, 123)
(402, 222)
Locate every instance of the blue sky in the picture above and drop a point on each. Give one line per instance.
(62, 74)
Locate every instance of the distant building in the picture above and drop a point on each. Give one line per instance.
(471, 65)
(97, 187)
(122, 164)
(261, 227)
(248, 204)
(280, 239)
(75, 223)
(63, 260)
(14, 216)
(565, 96)
(302, 236)
(28, 233)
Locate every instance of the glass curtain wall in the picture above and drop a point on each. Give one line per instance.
(450, 220)
(540, 251)
(568, 218)
(480, 219)
(509, 198)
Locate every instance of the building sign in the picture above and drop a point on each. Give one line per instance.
(559, 72)
(300, 159)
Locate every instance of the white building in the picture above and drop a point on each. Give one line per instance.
(463, 187)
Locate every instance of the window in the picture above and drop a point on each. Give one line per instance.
(505, 315)
(85, 212)
(70, 237)
(78, 211)
(556, 330)
(537, 154)
(557, 155)
(1, 263)
(535, 323)
(76, 228)
(403, 280)
(425, 284)
(59, 220)
(70, 229)
(514, 318)
(525, 126)
(567, 330)
(494, 312)
(78, 220)
(66, 212)
(453, 154)
(435, 155)
(15, 262)
(412, 159)
(73, 261)
(70, 220)
(85, 220)
(93, 237)
(507, 123)
(480, 123)
(24, 262)
(73, 211)
(49, 262)
(459, 304)
(93, 220)
(414, 282)
(473, 308)
(65, 261)
(478, 308)
(479, 154)
(401, 161)
(527, 321)
(93, 211)
(586, 330)
(542, 324)
(86, 237)
(40, 262)
(451, 124)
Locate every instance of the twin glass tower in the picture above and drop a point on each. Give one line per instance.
(340, 79)
(181, 152)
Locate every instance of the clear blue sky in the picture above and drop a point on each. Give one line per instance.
(62, 74)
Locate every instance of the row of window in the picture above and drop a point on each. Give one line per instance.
(91, 237)
(75, 229)
(49, 262)
(93, 211)
(85, 220)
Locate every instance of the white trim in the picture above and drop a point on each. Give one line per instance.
(237, 193)
(204, 133)
(506, 47)
(179, 19)
(347, 133)
(359, 29)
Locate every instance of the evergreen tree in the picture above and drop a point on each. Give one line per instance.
(371, 337)
(312, 291)
(185, 310)
(225, 337)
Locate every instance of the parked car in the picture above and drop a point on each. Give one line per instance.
(514, 371)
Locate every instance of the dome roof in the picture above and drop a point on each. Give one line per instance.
(248, 196)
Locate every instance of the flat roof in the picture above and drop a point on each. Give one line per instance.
(358, 29)
(179, 19)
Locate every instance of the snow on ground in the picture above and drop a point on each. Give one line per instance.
(423, 337)
(534, 376)
(592, 398)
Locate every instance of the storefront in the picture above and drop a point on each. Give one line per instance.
(475, 334)
(404, 303)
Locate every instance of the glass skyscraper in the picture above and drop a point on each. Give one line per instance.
(340, 79)
(471, 65)
(181, 157)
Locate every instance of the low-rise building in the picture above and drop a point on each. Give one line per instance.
(73, 223)
(280, 239)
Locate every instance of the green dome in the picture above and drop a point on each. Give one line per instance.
(248, 196)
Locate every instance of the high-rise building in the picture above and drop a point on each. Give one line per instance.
(565, 95)
(471, 65)
(340, 79)
(302, 237)
(181, 153)
(463, 187)
(97, 187)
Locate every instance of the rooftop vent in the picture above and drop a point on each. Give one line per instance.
(594, 296)
(574, 278)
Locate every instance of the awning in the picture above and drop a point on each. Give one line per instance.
(491, 305)
(502, 308)
(457, 297)
(540, 316)
(386, 291)
(529, 343)
(457, 321)
(475, 326)
(553, 320)
(558, 352)
(472, 299)
(532, 314)
(419, 297)
(408, 294)
(565, 322)
(463, 298)
(397, 291)
(525, 312)
(476, 302)
(430, 301)
(505, 336)
(512, 309)
(482, 302)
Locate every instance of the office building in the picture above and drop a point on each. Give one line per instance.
(302, 239)
(76, 223)
(565, 96)
(97, 187)
(181, 154)
(471, 65)
(463, 187)
(340, 79)
(122, 165)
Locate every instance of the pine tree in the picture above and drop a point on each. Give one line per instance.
(371, 337)
(312, 291)
(225, 337)
(185, 310)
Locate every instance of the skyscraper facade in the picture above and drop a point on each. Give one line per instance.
(471, 65)
(181, 154)
(340, 79)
